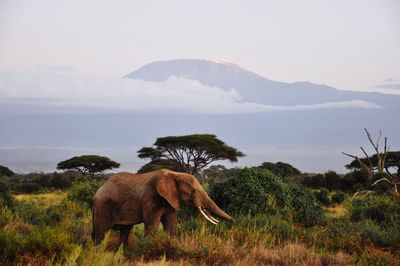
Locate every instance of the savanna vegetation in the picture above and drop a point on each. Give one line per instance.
(282, 217)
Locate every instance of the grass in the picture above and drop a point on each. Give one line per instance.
(49, 229)
(44, 200)
(336, 211)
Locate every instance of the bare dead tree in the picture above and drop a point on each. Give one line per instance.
(380, 167)
(380, 156)
(369, 169)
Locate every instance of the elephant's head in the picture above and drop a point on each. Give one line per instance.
(181, 188)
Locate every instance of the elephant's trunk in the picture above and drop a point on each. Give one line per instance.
(211, 206)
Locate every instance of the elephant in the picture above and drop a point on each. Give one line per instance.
(126, 199)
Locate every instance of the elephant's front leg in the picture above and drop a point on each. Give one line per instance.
(124, 231)
(169, 221)
(151, 222)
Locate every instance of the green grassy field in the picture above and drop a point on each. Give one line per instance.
(49, 229)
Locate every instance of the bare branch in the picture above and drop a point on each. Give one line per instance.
(380, 180)
(389, 173)
(366, 155)
(371, 141)
(352, 156)
(385, 151)
(362, 193)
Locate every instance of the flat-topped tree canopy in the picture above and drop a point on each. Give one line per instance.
(88, 164)
(190, 153)
(392, 161)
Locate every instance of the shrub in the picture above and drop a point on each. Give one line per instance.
(338, 197)
(253, 191)
(6, 198)
(5, 171)
(383, 210)
(305, 210)
(323, 196)
(60, 181)
(6, 216)
(30, 212)
(332, 180)
(248, 190)
(84, 191)
(11, 244)
(383, 237)
(27, 187)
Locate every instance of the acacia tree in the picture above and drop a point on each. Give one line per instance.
(88, 164)
(189, 153)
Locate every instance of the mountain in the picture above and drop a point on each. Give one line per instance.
(310, 139)
(253, 87)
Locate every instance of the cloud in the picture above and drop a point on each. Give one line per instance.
(390, 86)
(61, 90)
(56, 68)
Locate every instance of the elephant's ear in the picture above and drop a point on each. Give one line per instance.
(166, 186)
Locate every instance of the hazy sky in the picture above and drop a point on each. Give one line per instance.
(344, 43)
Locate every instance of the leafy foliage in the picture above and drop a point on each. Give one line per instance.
(5, 171)
(84, 191)
(258, 191)
(323, 196)
(157, 164)
(392, 160)
(247, 191)
(381, 209)
(60, 235)
(338, 197)
(281, 169)
(88, 164)
(6, 198)
(305, 210)
(189, 153)
(27, 187)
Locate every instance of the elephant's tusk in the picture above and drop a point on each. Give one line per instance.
(205, 216)
(210, 216)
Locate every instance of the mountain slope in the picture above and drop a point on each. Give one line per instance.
(253, 87)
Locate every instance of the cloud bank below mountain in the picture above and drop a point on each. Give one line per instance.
(75, 93)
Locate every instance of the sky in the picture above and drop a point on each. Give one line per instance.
(346, 44)
(73, 53)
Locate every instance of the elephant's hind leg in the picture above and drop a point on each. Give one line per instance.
(124, 231)
(100, 228)
(101, 222)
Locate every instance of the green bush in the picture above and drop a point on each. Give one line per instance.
(323, 196)
(30, 213)
(59, 181)
(27, 187)
(84, 191)
(381, 209)
(388, 237)
(250, 191)
(305, 210)
(253, 191)
(6, 199)
(338, 197)
(11, 244)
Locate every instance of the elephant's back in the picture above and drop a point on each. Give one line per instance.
(122, 184)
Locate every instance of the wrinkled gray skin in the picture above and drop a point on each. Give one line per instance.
(127, 199)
